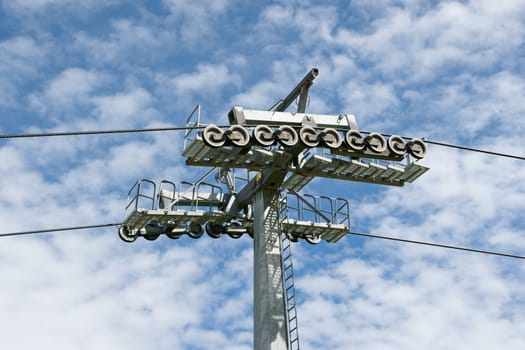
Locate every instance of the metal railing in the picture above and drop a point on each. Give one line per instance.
(193, 124)
(190, 196)
(317, 209)
(136, 196)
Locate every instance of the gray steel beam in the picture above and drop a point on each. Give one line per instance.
(300, 90)
(251, 117)
(263, 191)
(270, 331)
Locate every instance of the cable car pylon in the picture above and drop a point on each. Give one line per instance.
(280, 153)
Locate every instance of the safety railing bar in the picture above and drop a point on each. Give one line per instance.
(154, 192)
(138, 186)
(202, 178)
(346, 207)
(135, 197)
(198, 191)
(174, 191)
(285, 206)
(192, 128)
(181, 191)
(195, 197)
(189, 130)
(330, 202)
(313, 207)
(212, 193)
(173, 186)
(298, 207)
(314, 203)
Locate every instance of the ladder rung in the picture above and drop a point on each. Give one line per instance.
(288, 286)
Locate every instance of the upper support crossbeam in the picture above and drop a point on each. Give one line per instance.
(246, 117)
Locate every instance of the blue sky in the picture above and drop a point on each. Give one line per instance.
(446, 70)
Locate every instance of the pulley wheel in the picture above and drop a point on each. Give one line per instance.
(213, 136)
(125, 234)
(308, 136)
(195, 230)
(331, 138)
(151, 236)
(376, 142)
(214, 230)
(238, 135)
(264, 136)
(174, 235)
(234, 233)
(313, 239)
(397, 145)
(287, 136)
(152, 231)
(417, 148)
(355, 140)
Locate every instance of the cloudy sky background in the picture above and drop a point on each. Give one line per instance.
(446, 70)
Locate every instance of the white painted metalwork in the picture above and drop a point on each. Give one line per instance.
(314, 217)
(247, 117)
(281, 153)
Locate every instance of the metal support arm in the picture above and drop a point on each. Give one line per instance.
(301, 91)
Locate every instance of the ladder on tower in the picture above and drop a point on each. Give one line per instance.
(289, 292)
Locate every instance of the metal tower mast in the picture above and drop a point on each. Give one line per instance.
(286, 151)
(271, 321)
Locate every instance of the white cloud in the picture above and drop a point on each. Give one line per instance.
(73, 87)
(206, 79)
(19, 6)
(180, 7)
(17, 52)
(129, 107)
(369, 101)
(196, 19)
(205, 82)
(423, 305)
(452, 35)
(31, 5)
(128, 42)
(20, 57)
(449, 70)
(315, 23)
(260, 96)
(87, 298)
(79, 97)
